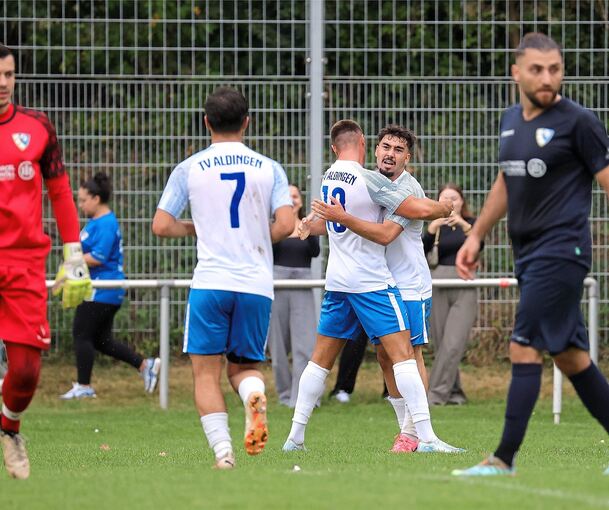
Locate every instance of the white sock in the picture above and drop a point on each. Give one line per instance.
(10, 414)
(249, 385)
(215, 426)
(399, 407)
(310, 389)
(408, 427)
(409, 383)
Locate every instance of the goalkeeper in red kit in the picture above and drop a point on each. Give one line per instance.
(29, 154)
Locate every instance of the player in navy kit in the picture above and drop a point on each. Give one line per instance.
(550, 150)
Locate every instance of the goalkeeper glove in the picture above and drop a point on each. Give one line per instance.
(73, 277)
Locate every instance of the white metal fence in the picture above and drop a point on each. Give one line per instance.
(164, 315)
(125, 83)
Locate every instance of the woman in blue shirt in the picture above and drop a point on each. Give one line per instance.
(92, 329)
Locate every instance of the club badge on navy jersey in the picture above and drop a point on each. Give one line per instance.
(22, 140)
(543, 136)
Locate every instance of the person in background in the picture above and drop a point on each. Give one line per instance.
(454, 310)
(349, 363)
(292, 327)
(92, 329)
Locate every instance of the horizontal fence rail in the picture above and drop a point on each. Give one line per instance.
(165, 285)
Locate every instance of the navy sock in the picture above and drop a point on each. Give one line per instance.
(522, 395)
(593, 390)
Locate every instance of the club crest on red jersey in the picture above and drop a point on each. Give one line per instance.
(26, 171)
(22, 140)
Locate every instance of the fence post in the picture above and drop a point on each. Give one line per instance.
(316, 117)
(164, 348)
(592, 289)
(592, 286)
(557, 395)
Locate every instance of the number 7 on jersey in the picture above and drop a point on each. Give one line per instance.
(239, 189)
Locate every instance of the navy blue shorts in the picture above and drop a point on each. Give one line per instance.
(549, 316)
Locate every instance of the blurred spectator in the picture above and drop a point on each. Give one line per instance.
(454, 310)
(349, 364)
(292, 329)
(92, 329)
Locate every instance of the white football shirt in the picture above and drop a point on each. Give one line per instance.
(405, 255)
(355, 264)
(233, 193)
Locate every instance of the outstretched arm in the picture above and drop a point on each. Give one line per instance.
(312, 225)
(283, 225)
(381, 233)
(495, 208)
(166, 225)
(602, 178)
(415, 208)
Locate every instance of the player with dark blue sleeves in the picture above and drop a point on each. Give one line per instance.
(92, 329)
(550, 151)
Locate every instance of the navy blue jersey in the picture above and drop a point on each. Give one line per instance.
(102, 239)
(549, 163)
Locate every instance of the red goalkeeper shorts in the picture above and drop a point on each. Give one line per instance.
(23, 305)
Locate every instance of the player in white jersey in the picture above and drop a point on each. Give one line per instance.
(407, 263)
(360, 291)
(233, 193)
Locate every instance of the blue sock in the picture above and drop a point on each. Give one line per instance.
(593, 390)
(522, 395)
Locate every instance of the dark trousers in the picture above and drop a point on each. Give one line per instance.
(92, 330)
(350, 360)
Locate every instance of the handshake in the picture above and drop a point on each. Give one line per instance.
(73, 278)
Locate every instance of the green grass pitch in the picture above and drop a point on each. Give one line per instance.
(141, 457)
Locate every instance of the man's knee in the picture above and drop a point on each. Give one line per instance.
(524, 354)
(383, 359)
(23, 366)
(398, 347)
(572, 361)
(326, 351)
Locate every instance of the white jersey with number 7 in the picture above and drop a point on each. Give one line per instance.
(233, 192)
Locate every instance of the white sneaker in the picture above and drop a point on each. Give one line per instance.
(437, 446)
(150, 374)
(15, 455)
(78, 391)
(291, 446)
(226, 462)
(343, 397)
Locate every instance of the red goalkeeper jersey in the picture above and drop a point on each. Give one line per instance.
(29, 153)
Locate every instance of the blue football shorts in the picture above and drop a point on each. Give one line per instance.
(380, 313)
(418, 316)
(549, 316)
(227, 322)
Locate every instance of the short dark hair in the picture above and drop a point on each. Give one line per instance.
(537, 41)
(342, 128)
(5, 51)
(398, 132)
(226, 108)
(99, 186)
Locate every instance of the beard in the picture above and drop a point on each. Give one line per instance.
(390, 172)
(537, 103)
(386, 173)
